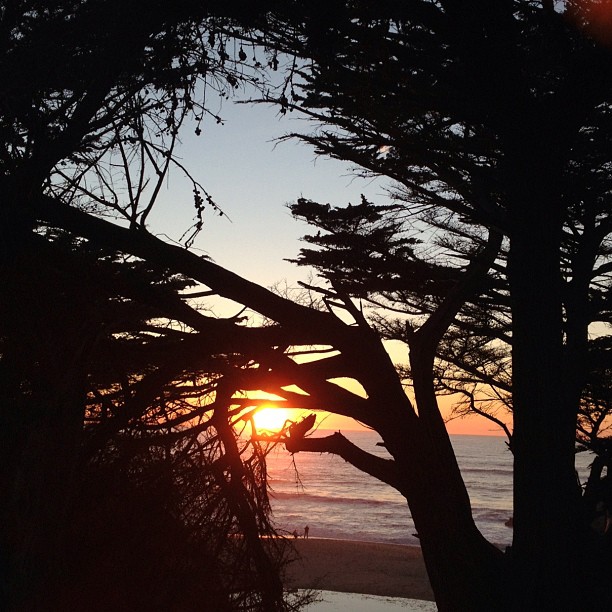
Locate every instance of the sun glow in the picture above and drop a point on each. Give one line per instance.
(271, 419)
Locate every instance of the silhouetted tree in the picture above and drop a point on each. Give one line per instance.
(493, 119)
(400, 266)
(153, 488)
(109, 407)
(496, 118)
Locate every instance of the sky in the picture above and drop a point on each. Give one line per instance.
(253, 177)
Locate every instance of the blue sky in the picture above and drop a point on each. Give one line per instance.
(253, 178)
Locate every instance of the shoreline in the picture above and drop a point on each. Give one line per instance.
(352, 566)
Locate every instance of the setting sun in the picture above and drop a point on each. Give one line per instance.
(271, 419)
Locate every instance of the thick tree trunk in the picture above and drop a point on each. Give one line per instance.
(466, 572)
(546, 519)
(547, 537)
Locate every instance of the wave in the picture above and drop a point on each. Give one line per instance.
(335, 500)
(493, 515)
(488, 470)
(277, 480)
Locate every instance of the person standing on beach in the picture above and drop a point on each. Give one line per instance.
(306, 530)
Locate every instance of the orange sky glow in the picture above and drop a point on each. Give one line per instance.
(472, 425)
(270, 419)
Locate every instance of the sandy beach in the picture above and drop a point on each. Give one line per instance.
(360, 567)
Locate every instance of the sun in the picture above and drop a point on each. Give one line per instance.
(271, 419)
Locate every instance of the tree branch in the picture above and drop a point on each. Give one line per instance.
(225, 283)
(336, 444)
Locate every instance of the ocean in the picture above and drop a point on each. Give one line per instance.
(338, 501)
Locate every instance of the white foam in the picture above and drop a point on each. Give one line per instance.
(332, 601)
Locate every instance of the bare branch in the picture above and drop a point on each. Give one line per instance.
(383, 469)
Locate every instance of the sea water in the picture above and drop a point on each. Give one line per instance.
(336, 500)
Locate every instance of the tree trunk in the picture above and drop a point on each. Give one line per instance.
(466, 572)
(547, 534)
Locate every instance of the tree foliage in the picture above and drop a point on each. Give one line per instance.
(121, 464)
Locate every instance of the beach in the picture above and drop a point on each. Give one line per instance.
(369, 568)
